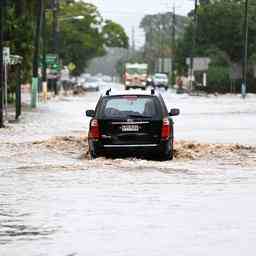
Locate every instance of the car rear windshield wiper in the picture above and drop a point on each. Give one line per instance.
(138, 115)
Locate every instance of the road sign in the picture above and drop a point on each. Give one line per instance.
(199, 63)
(6, 55)
(71, 67)
(55, 66)
(52, 59)
(15, 59)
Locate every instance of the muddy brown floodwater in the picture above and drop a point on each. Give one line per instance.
(183, 150)
(55, 201)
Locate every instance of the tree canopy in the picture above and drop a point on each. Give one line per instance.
(220, 36)
(220, 27)
(161, 33)
(80, 40)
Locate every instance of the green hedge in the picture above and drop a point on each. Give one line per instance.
(218, 79)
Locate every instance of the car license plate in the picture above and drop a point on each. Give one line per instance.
(130, 128)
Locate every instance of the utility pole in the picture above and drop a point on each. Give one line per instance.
(193, 45)
(173, 42)
(56, 31)
(1, 61)
(133, 41)
(44, 66)
(151, 49)
(34, 89)
(162, 30)
(55, 26)
(245, 51)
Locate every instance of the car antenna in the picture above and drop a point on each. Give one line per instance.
(108, 91)
(152, 91)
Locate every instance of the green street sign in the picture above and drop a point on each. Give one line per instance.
(52, 59)
(55, 66)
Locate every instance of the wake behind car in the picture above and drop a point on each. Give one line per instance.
(131, 123)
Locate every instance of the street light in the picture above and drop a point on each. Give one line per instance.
(245, 51)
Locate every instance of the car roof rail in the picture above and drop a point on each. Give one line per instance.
(152, 91)
(108, 91)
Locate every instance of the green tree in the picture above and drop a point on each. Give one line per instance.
(114, 35)
(80, 40)
(85, 39)
(219, 34)
(20, 24)
(220, 25)
(159, 35)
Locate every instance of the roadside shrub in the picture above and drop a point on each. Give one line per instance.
(218, 79)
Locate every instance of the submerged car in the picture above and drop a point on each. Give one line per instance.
(131, 123)
(160, 80)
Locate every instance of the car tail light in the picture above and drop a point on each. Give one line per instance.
(94, 130)
(166, 129)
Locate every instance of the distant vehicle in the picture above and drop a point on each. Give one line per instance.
(107, 79)
(91, 84)
(80, 81)
(137, 123)
(160, 80)
(86, 75)
(88, 83)
(135, 76)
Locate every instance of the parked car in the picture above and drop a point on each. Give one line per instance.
(131, 123)
(160, 80)
(80, 81)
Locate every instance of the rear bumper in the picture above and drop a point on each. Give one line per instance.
(161, 85)
(151, 148)
(131, 146)
(135, 85)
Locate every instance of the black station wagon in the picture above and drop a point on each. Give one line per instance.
(131, 123)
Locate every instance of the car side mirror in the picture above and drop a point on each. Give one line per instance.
(90, 113)
(174, 112)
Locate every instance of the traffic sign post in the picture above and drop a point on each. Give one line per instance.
(53, 64)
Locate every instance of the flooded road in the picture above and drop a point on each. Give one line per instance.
(54, 201)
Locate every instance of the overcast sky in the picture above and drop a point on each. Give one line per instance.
(129, 13)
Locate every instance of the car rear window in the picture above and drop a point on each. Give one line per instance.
(129, 107)
(161, 76)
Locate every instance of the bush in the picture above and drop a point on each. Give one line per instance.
(218, 79)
